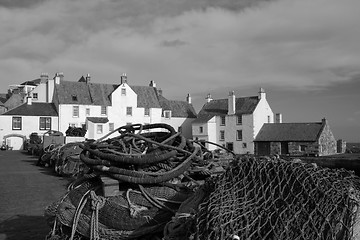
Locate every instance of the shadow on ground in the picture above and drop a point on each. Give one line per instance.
(21, 227)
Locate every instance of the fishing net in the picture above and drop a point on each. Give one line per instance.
(276, 199)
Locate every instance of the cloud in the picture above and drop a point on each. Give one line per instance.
(198, 46)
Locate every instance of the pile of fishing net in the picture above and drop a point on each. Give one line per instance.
(64, 159)
(151, 165)
(271, 199)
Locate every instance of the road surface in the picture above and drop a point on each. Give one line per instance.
(25, 191)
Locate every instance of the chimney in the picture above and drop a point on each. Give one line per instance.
(278, 118)
(324, 121)
(152, 84)
(231, 103)
(50, 86)
(87, 79)
(123, 78)
(59, 77)
(29, 100)
(188, 98)
(262, 94)
(44, 77)
(208, 98)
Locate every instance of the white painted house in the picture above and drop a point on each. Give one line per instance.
(99, 107)
(104, 107)
(232, 122)
(17, 124)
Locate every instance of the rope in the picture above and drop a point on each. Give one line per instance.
(96, 204)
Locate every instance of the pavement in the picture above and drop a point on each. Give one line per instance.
(25, 191)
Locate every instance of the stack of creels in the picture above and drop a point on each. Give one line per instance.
(141, 155)
(149, 167)
(272, 199)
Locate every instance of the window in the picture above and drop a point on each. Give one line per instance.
(99, 129)
(111, 127)
(16, 123)
(222, 135)
(45, 123)
(35, 96)
(123, 92)
(180, 129)
(239, 136)
(146, 111)
(72, 124)
(222, 120)
(201, 129)
(129, 111)
(87, 111)
(75, 111)
(302, 148)
(74, 98)
(103, 110)
(244, 145)
(239, 120)
(167, 114)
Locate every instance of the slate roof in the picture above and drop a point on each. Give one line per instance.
(34, 82)
(98, 119)
(83, 93)
(178, 108)
(35, 109)
(147, 96)
(219, 107)
(286, 132)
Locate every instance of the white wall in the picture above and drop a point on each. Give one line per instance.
(30, 124)
(261, 113)
(41, 92)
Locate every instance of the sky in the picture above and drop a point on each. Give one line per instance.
(304, 53)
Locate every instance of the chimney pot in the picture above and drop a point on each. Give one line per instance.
(123, 78)
(231, 103)
(152, 84)
(208, 98)
(262, 94)
(188, 98)
(87, 79)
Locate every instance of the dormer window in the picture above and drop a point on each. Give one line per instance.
(146, 112)
(74, 98)
(103, 110)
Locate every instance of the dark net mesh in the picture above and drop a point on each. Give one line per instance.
(262, 199)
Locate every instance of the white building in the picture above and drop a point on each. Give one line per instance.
(232, 122)
(102, 108)
(17, 124)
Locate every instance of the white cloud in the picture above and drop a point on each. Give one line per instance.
(184, 45)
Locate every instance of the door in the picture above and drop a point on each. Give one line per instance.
(263, 148)
(230, 146)
(284, 148)
(15, 143)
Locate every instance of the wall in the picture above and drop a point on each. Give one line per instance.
(260, 115)
(231, 128)
(41, 91)
(327, 141)
(30, 124)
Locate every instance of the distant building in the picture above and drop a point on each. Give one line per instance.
(233, 122)
(313, 138)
